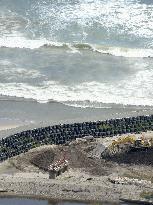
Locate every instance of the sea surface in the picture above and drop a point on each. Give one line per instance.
(82, 53)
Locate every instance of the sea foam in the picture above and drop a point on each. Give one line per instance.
(126, 92)
(22, 42)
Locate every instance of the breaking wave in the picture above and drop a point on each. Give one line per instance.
(21, 42)
(81, 29)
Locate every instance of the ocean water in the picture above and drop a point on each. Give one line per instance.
(83, 53)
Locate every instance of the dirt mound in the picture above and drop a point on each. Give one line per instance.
(33, 160)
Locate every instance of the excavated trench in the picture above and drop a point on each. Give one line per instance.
(138, 157)
(43, 159)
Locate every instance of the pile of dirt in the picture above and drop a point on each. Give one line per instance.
(34, 160)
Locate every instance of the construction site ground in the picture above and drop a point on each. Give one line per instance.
(89, 177)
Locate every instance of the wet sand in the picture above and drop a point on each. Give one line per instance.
(7, 123)
(7, 127)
